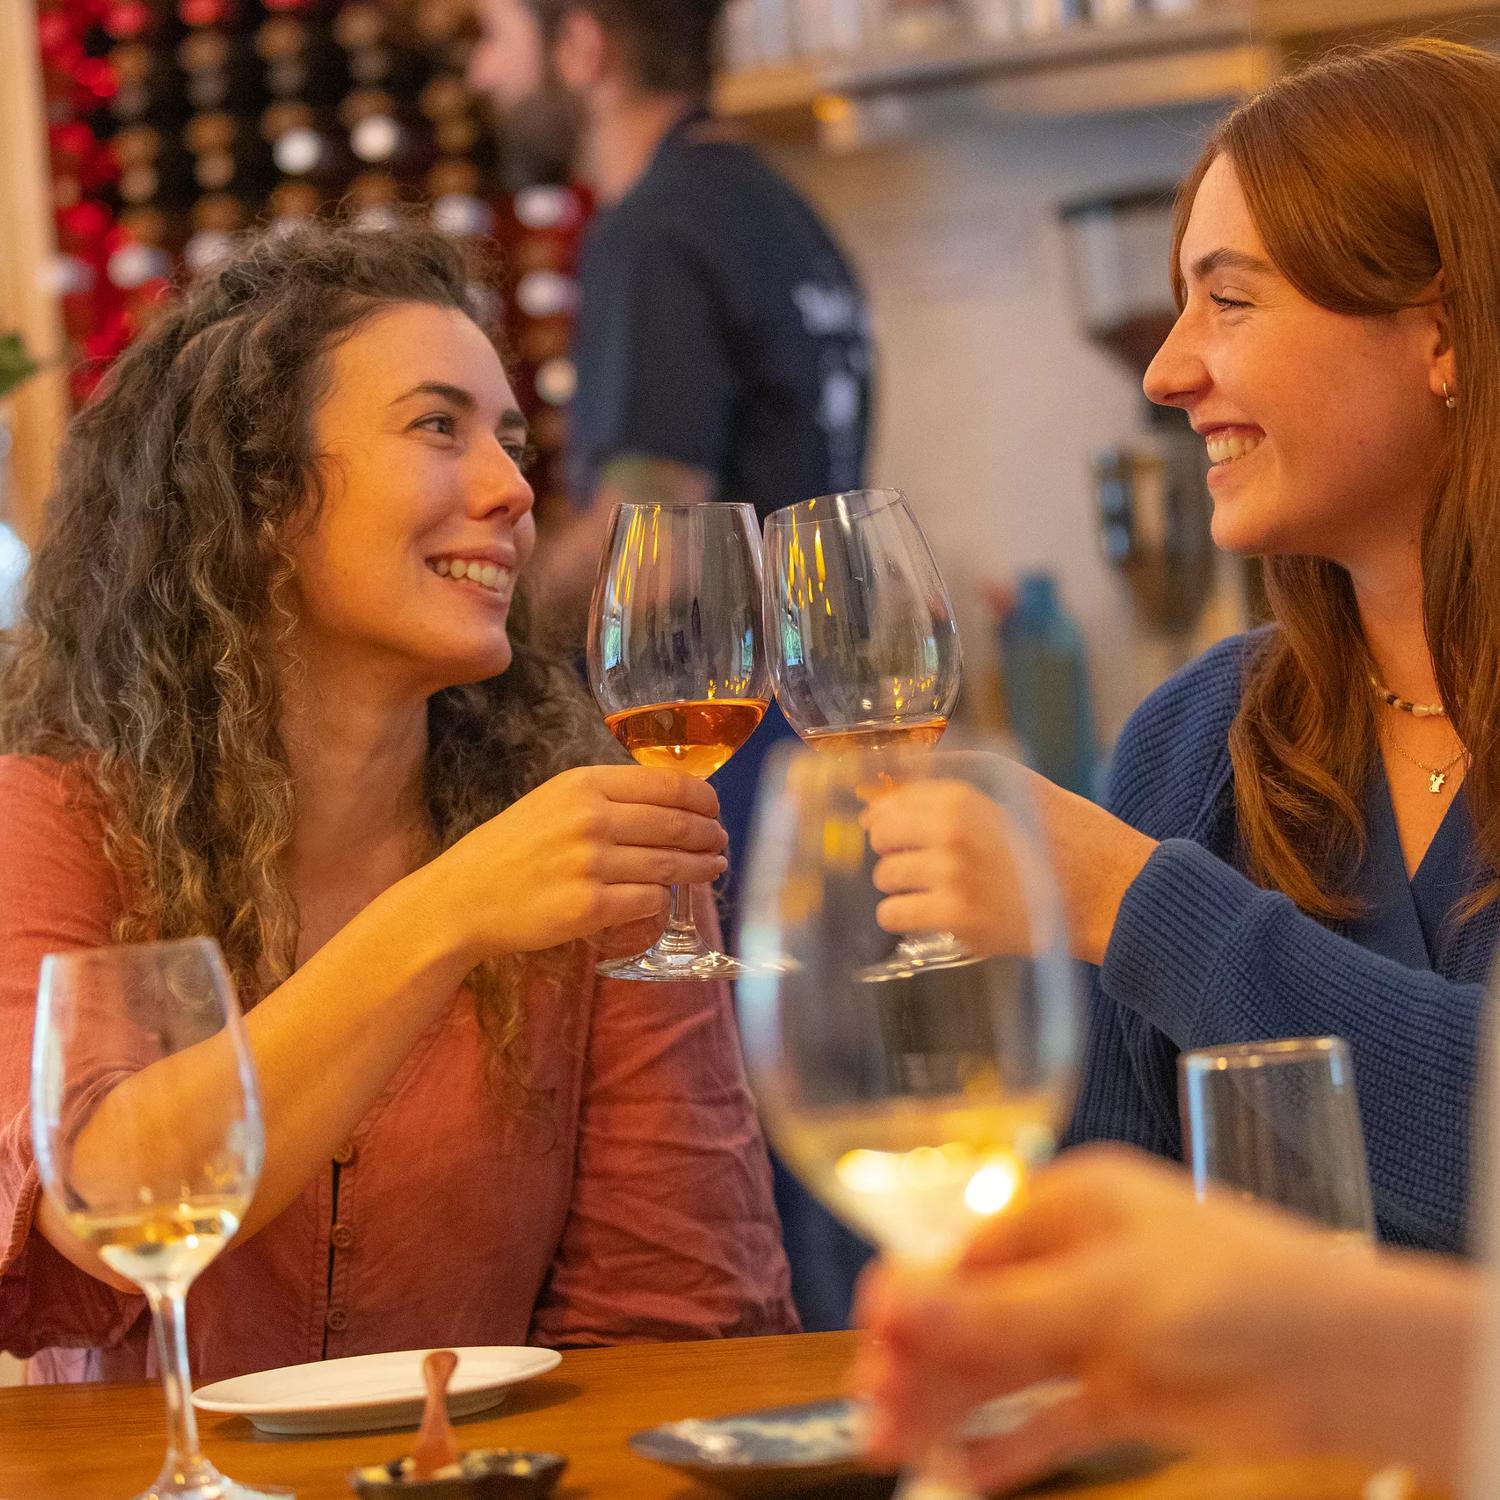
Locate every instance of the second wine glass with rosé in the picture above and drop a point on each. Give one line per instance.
(863, 646)
(677, 665)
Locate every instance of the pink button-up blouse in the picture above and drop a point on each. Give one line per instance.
(640, 1210)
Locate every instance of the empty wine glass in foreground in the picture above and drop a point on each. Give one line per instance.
(145, 1120)
(1278, 1122)
(916, 1108)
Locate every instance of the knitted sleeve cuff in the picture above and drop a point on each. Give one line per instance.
(1174, 925)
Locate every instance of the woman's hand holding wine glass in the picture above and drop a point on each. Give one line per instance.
(864, 647)
(587, 854)
(948, 863)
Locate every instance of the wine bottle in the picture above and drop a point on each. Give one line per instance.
(155, 168)
(301, 59)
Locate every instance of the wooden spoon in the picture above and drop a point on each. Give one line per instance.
(435, 1447)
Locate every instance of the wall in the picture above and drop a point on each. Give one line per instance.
(992, 400)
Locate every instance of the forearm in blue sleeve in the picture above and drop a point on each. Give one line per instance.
(1114, 1102)
(1206, 956)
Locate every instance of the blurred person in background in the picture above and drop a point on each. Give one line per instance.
(721, 344)
(1222, 1327)
(1302, 830)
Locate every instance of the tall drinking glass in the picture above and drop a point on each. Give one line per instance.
(1278, 1122)
(677, 667)
(146, 1124)
(863, 645)
(914, 1109)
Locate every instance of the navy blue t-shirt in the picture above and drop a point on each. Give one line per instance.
(719, 325)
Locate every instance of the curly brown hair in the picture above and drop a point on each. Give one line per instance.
(152, 619)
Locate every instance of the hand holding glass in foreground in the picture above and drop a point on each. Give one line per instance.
(1223, 1327)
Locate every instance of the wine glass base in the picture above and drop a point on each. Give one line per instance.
(930, 1487)
(919, 955)
(675, 968)
(216, 1488)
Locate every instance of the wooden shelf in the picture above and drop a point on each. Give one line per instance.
(1228, 49)
(771, 90)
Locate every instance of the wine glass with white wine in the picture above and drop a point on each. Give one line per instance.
(915, 1109)
(863, 646)
(145, 1120)
(677, 667)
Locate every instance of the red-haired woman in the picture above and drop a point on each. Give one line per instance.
(1303, 827)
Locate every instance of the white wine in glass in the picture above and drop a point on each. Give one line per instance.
(863, 646)
(146, 1125)
(678, 670)
(915, 1109)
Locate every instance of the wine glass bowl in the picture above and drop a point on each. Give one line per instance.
(864, 647)
(914, 1109)
(861, 634)
(146, 1129)
(1278, 1122)
(677, 667)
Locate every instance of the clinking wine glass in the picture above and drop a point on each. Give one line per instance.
(863, 646)
(677, 667)
(914, 1109)
(146, 1124)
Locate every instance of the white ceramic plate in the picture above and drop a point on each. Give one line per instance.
(369, 1391)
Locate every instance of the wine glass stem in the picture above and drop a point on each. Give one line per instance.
(184, 1462)
(939, 1475)
(681, 932)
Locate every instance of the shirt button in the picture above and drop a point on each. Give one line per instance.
(343, 1236)
(337, 1319)
(345, 1154)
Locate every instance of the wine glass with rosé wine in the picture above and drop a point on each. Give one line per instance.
(863, 647)
(677, 666)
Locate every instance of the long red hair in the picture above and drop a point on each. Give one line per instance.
(1370, 175)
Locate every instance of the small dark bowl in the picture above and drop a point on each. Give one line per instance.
(488, 1474)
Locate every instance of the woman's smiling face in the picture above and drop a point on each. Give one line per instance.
(408, 568)
(1325, 431)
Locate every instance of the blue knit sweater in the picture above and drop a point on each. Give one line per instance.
(1200, 955)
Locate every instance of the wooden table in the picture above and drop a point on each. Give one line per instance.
(104, 1442)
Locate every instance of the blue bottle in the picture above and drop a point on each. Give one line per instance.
(1046, 686)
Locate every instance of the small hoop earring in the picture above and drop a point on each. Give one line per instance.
(1449, 399)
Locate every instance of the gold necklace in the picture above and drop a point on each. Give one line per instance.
(1437, 776)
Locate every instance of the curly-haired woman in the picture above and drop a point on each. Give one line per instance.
(275, 683)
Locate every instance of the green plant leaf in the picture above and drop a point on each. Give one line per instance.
(15, 363)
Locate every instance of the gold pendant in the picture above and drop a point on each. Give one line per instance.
(1435, 780)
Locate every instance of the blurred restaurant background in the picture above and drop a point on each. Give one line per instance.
(999, 172)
